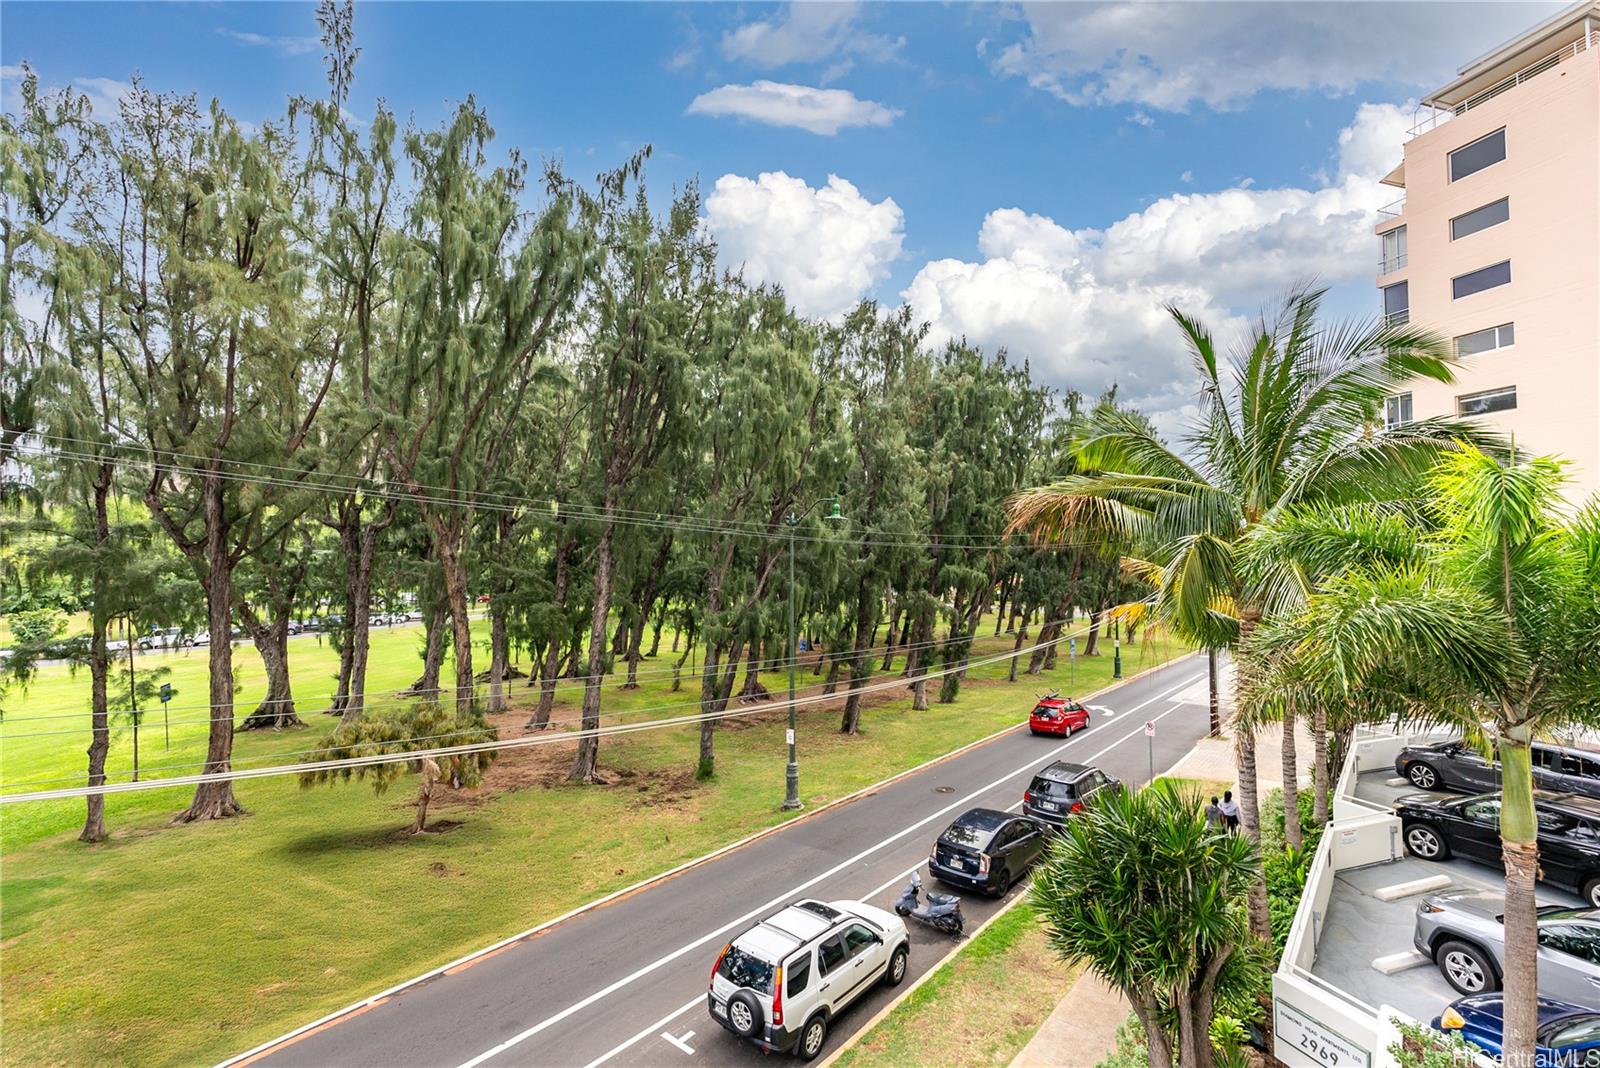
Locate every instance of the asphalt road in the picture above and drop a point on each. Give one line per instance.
(624, 984)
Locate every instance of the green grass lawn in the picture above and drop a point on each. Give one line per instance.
(174, 945)
(981, 1006)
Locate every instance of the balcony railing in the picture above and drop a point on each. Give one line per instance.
(1397, 318)
(1438, 115)
(1388, 264)
(1393, 209)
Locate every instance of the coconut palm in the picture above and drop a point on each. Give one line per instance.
(1288, 422)
(1486, 615)
(1148, 896)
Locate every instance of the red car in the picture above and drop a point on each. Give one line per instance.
(1057, 715)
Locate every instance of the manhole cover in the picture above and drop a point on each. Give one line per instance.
(944, 789)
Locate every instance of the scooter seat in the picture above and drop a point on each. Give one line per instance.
(943, 899)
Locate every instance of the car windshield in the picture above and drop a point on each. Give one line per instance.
(743, 970)
(1579, 1032)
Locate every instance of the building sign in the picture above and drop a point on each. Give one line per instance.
(1310, 1038)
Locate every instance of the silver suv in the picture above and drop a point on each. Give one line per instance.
(781, 982)
(1463, 934)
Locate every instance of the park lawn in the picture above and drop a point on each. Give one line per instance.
(174, 945)
(980, 1007)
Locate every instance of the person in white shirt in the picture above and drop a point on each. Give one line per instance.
(1230, 811)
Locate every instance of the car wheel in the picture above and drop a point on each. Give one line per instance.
(1004, 884)
(1425, 842)
(1423, 777)
(1467, 968)
(744, 1013)
(812, 1037)
(896, 972)
(1034, 731)
(1591, 892)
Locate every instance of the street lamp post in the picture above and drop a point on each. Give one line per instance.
(1116, 648)
(791, 795)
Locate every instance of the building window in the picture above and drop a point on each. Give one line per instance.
(1480, 218)
(1397, 410)
(1495, 337)
(1464, 285)
(1472, 158)
(1503, 399)
(1394, 250)
(1396, 304)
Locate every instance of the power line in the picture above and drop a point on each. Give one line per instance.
(498, 744)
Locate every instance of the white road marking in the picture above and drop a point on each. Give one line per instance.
(786, 897)
(681, 1041)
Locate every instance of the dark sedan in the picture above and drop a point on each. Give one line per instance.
(1436, 828)
(986, 849)
(1455, 765)
(1568, 1035)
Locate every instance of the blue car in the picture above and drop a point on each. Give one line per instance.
(1568, 1035)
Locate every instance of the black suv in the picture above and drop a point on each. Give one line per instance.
(1435, 828)
(1455, 765)
(1062, 789)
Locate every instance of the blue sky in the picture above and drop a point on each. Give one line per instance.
(1039, 177)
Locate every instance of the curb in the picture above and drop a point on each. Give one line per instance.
(878, 1017)
(238, 1060)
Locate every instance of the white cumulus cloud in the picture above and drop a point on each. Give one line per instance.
(1086, 305)
(1175, 54)
(821, 111)
(827, 247)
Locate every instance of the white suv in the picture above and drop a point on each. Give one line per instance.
(782, 981)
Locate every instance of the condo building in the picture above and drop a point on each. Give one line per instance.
(1495, 243)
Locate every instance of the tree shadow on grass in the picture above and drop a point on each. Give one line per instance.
(339, 841)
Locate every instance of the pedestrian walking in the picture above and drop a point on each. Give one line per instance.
(1230, 811)
(1214, 816)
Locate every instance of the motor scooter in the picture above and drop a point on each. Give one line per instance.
(942, 912)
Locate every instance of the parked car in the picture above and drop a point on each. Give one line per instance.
(781, 983)
(1057, 715)
(164, 638)
(1463, 934)
(1568, 1035)
(1062, 789)
(986, 849)
(1455, 765)
(1436, 828)
(202, 638)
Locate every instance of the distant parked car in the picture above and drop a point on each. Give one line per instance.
(1463, 934)
(1436, 828)
(1568, 1035)
(781, 983)
(1057, 715)
(1063, 788)
(203, 638)
(164, 638)
(986, 849)
(1455, 765)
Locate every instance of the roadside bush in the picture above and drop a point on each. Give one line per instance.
(1421, 1046)
(37, 626)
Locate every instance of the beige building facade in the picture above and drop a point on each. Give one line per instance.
(1496, 242)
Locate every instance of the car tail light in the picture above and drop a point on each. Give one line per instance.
(983, 864)
(777, 997)
(1077, 806)
(715, 967)
(1027, 797)
(933, 853)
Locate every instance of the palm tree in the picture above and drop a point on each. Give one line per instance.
(1290, 422)
(1484, 614)
(1150, 898)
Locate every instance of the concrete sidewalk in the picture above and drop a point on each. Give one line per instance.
(1081, 1031)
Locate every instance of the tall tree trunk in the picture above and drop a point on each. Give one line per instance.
(94, 822)
(552, 657)
(1060, 617)
(920, 652)
(215, 800)
(895, 612)
(835, 668)
(1519, 846)
(717, 674)
(677, 668)
(433, 649)
(860, 662)
(499, 655)
(271, 639)
(448, 548)
(1091, 644)
(1244, 753)
(1016, 654)
(1292, 836)
(586, 763)
(360, 639)
(656, 626)
(1214, 696)
(752, 689)
(1319, 764)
